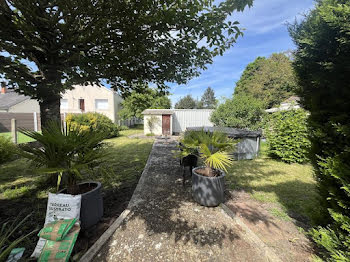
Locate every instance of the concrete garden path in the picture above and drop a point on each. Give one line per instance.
(165, 224)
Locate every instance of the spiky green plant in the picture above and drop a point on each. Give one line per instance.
(66, 153)
(6, 231)
(214, 148)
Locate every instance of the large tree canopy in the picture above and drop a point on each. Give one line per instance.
(136, 102)
(322, 64)
(271, 80)
(48, 46)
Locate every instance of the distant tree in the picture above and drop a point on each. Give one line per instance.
(322, 65)
(199, 104)
(208, 100)
(47, 47)
(137, 102)
(242, 111)
(270, 80)
(161, 102)
(186, 102)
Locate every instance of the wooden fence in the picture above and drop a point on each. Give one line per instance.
(31, 121)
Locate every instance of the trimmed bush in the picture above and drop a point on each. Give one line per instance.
(7, 149)
(95, 121)
(287, 136)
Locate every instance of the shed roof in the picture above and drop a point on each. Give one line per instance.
(158, 112)
(231, 132)
(11, 98)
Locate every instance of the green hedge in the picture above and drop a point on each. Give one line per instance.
(287, 136)
(321, 63)
(96, 121)
(8, 149)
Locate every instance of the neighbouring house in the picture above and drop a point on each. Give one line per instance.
(79, 100)
(288, 104)
(174, 121)
(12, 102)
(92, 98)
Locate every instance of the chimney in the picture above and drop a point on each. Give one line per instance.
(3, 88)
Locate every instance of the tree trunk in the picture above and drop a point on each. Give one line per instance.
(50, 111)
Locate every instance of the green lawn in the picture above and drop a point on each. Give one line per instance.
(20, 137)
(22, 190)
(138, 129)
(291, 187)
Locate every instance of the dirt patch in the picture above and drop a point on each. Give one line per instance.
(115, 202)
(81, 189)
(282, 235)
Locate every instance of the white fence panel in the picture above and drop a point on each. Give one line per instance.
(184, 118)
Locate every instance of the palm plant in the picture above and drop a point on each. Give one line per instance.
(66, 153)
(211, 147)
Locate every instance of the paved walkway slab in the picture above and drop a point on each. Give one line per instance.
(165, 224)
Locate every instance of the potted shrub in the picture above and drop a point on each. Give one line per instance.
(69, 155)
(208, 181)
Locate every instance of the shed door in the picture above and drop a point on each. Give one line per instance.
(166, 124)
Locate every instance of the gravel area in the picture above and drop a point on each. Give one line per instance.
(165, 224)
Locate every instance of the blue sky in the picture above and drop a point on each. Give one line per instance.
(265, 33)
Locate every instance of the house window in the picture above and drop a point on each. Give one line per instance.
(101, 104)
(64, 103)
(82, 105)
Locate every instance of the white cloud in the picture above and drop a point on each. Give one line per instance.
(268, 15)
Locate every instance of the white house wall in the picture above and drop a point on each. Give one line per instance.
(117, 107)
(184, 118)
(157, 129)
(90, 94)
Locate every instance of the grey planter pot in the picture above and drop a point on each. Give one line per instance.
(91, 210)
(208, 191)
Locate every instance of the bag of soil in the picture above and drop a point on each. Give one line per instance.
(57, 230)
(60, 251)
(59, 206)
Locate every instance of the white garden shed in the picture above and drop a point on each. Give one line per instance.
(175, 121)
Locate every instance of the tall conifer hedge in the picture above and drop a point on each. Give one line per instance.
(322, 64)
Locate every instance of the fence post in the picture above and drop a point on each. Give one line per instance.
(64, 122)
(14, 131)
(35, 118)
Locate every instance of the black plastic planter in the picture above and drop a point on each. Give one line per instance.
(208, 191)
(91, 210)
